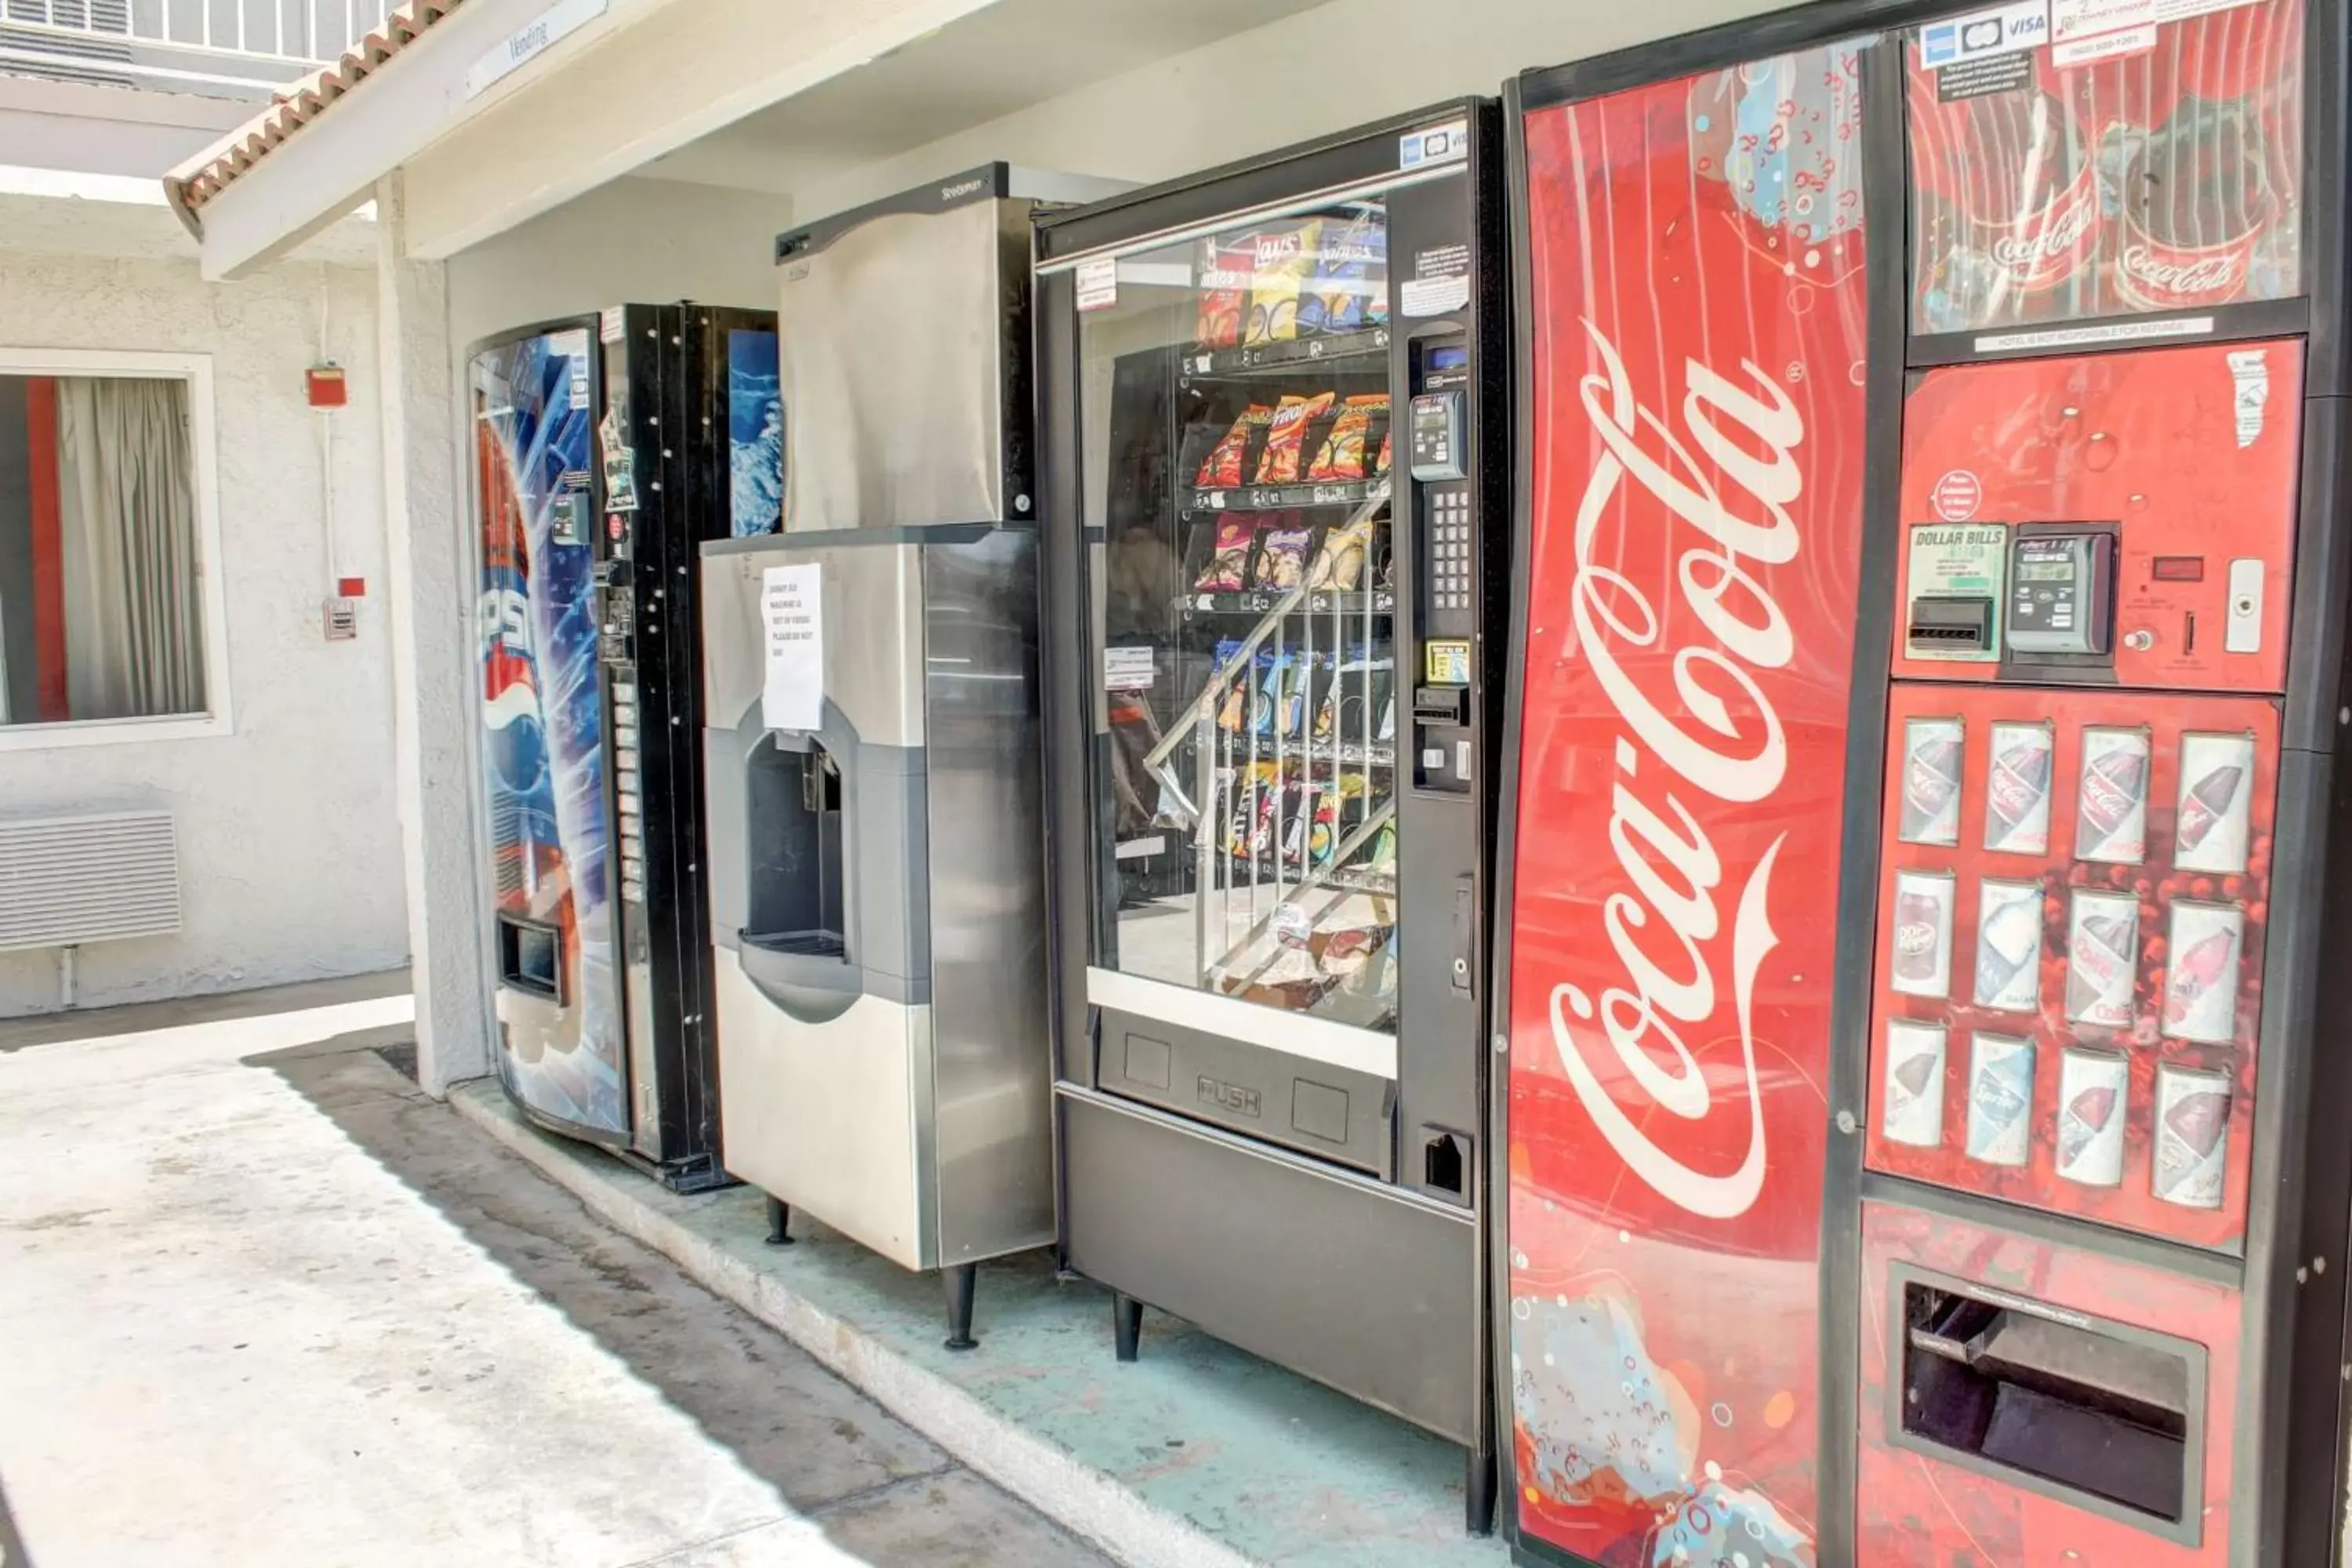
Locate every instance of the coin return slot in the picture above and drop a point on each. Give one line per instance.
(1950, 626)
(530, 958)
(2083, 1411)
(1445, 1163)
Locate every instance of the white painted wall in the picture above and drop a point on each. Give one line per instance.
(633, 241)
(1257, 92)
(290, 847)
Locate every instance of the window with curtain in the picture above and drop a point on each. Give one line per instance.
(101, 609)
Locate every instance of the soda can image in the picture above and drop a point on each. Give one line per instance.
(2102, 958)
(2216, 787)
(2111, 800)
(2193, 1137)
(1922, 938)
(2092, 1088)
(2201, 977)
(2009, 946)
(2001, 1099)
(2017, 789)
(1914, 1112)
(1932, 753)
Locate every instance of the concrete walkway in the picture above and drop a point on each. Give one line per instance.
(262, 1303)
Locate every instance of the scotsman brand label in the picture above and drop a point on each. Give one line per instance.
(1698, 419)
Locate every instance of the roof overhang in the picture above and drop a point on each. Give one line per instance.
(643, 78)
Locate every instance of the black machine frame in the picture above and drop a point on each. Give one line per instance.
(655, 369)
(2287, 1487)
(1363, 161)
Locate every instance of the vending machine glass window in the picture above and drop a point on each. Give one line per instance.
(2062, 170)
(1235, 403)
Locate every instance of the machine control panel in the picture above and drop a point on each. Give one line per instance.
(1436, 435)
(2062, 592)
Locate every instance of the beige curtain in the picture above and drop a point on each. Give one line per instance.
(134, 628)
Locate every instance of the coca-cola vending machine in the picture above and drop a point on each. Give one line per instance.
(1926, 676)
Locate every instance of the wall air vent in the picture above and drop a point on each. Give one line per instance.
(65, 880)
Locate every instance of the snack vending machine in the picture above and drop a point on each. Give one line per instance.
(1926, 684)
(605, 449)
(877, 897)
(1271, 394)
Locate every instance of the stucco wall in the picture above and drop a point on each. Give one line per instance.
(290, 847)
(635, 241)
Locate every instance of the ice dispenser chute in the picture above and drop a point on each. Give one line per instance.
(794, 942)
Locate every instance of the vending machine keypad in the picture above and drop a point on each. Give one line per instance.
(2061, 591)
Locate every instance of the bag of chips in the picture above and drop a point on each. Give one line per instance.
(1228, 567)
(1352, 264)
(1342, 457)
(1266, 692)
(1282, 557)
(1286, 438)
(1340, 564)
(1381, 466)
(1225, 290)
(1229, 711)
(1222, 469)
(1283, 258)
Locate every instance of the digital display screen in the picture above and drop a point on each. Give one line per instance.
(1454, 358)
(2045, 571)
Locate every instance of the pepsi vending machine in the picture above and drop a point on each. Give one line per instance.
(1926, 678)
(605, 449)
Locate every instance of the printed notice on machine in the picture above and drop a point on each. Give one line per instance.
(792, 608)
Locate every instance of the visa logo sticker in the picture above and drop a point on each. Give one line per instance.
(1438, 144)
(2003, 30)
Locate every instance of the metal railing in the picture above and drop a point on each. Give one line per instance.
(222, 49)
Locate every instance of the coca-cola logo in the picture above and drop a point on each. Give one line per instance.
(2063, 228)
(1719, 734)
(2197, 277)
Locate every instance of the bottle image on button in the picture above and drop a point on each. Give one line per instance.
(2000, 1100)
(2092, 1088)
(2102, 958)
(2111, 816)
(1932, 750)
(2200, 981)
(2009, 946)
(2017, 789)
(2217, 785)
(1921, 961)
(1915, 1083)
(2193, 1137)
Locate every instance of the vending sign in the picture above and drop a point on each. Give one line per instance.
(1699, 409)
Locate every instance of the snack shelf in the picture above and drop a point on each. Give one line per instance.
(1286, 498)
(1258, 602)
(1252, 359)
(1377, 754)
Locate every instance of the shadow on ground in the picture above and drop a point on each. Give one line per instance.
(882, 1491)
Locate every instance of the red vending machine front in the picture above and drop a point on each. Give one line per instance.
(2078, 815)
(1924, 1131)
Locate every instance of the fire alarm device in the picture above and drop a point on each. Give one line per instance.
(342, 619)
(326, 386)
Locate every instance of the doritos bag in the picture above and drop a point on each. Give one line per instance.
(1342, 457)
(1286, 438)
(1283, 258)
(1222, 469)
(1224, 291)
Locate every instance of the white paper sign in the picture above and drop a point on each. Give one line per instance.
(1126, 670)
(792, 608)
(2072, 19)
(1098, 283)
